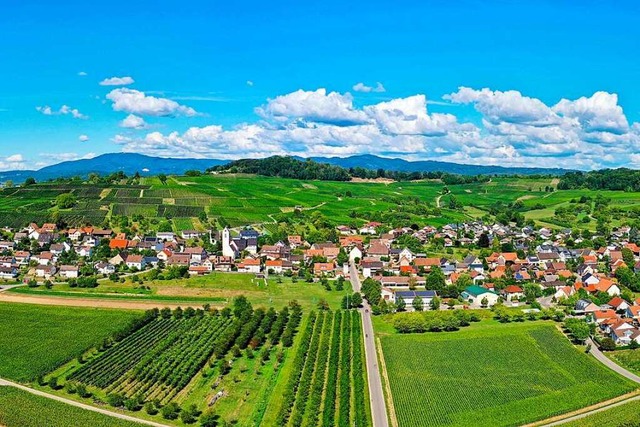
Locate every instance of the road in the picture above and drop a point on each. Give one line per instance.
(376, 395)
(7, 383)
(611, 365)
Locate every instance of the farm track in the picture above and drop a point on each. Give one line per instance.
(89, 302)
(7, 383)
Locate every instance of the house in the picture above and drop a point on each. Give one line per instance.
(68, 271)
(223, 263)
(406, 254)
(104, 268)
(197, 254)
(45, 271)
(180, 260)
(320, 268)
(8, 272)
(401, 281)
(618, 304)
(426, 263)
(584, 306)
(198, 270)
(622, 332)
(409, 296)
(294, 241)
(355, 254)
(476, 294)
(135, 261)
(633, 312)
(167, 236)
(512, 292)
(278, 266)
(601, 315)
(249, 265)
(191, 234)
(371, 268)
(118, 244)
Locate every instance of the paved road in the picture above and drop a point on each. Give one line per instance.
(376, 396)
(611, 365)
(8, 383)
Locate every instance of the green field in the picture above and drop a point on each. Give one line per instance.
(36, 339)
(216, 288)
(629, 359)
(613, 417)
(239, 200)
(492, 374)
(21, 409)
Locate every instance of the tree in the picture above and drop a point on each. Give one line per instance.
(484, 302)
(356, 300)
(323, 304)
(171, 411)
(400, 305)
(8, 184)
(484, 241)
(435, 303)
(209, 419)
(163, 178)
(608, 344)
(627, 256)
(436, 280)
(66, 201)
(29, 181)
(417, 303)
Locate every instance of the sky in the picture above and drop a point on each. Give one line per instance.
(526, 83)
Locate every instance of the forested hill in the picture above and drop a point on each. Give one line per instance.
(290, 167)
(621, 179)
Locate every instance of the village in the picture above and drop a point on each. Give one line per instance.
(484, 265)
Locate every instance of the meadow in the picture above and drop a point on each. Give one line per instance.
(216, 288)
(35, 340)
(492, 374)
(617, 416)
(37, 411)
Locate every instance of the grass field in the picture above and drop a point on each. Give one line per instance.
(21, 409)
(215, 288)
(629, 359)
(35, 340)
(492, 374)
(614, 417)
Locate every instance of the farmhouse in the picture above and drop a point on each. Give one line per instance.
(476, 294)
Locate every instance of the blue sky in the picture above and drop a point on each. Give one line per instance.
(250, 79)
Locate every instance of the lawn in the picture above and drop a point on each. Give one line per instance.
(492, 374)
(216, 288)
(37, 411)
(36, 339)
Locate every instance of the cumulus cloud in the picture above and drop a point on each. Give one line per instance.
(361, 87)
(63, 111)
(82, 73)
(136, 102)
(117, 81)
(83, 138)
(133, 122)
(514, 130)
(314, 106)
(12, 162)
(249, 82)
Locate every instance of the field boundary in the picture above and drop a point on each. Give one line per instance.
(598, 407)
(387, 386)
(7, 383)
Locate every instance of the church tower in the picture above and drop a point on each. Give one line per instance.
(227, 250)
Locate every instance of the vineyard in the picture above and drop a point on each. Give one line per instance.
(503, 375)
(327, 385)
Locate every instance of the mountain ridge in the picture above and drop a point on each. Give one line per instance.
(130, 163)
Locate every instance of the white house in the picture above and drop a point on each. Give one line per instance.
(475, 294)
(69, 271)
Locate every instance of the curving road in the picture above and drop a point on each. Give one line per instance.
(376, 395)
(595, 351)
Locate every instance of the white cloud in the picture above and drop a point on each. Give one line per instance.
(361, 87)
(15, 158)
(82, 74)
(136, 102)
(133, 122)
(117, 81)
(313, 106)
(63, 111)
(83, 138)
(13, 162)
(249, 82)
(515, 130)
(64, 157)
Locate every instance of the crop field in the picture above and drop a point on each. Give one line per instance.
(37, 411)
(617, 416)
(327, 381)
(31, 336)
(500, 374)
(629, 359)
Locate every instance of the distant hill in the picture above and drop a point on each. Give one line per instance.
(369, 161)
(130, 163)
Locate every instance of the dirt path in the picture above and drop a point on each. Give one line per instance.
(6, 383)
(438, 200)
(89, 302)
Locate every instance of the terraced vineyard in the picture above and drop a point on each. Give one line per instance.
(503, 375)
(327, 385)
